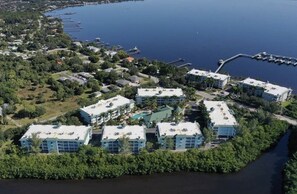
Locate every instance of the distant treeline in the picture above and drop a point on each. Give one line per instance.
(43, 5)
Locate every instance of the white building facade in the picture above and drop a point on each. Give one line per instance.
(216, 80)
(162, 95)
(221, 119)
(57, 138)
(185, 135)
(105, 110)
(112, 134)
(265, 90)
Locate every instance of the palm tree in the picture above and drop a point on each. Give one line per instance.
(168, 143)
(211, 82)
(122, 109)
(124, 145)
(35, 143)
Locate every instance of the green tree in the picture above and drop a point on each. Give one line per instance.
(208, 135)
(168, 143)
(149, 146)
(124, 145)
(122, 54)
(35, 143)
(94, 58)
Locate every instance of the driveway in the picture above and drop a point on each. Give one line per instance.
(205, 95)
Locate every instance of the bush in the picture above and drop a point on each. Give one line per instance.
(290, 171)
(31, 112)
(94, 162)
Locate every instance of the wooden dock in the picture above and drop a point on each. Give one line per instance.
(176, 61)
(184, 65)
(223, 62)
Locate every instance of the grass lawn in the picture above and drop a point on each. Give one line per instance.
(53, 108)
(56, 76)
(8, 126)
(287, 103)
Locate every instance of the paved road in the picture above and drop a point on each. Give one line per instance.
(52, 118)
(205, 95)
(287, 119)
(154, 79)
(13, 121)
(277, 116)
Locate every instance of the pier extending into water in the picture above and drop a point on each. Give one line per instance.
(263, 56)
(223, 62)
(184, 65)
(176, 61)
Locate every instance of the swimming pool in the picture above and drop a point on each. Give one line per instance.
(139, 115)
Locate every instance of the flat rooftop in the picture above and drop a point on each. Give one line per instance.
(183, 128)
(131, 131)
(103, 106)
(160, 92)
(268, 87)
(219, 113)
(209, 74)
(62, 132)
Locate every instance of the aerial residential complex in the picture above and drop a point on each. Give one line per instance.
(185, 135)
(104, 110)
(266, 90)
(162, 95)
(215, 79)
(57, 138)
(112, 134)
(221, 119)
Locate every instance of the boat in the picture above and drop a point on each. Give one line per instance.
(135, 49)
(221, 61)
(69, 13)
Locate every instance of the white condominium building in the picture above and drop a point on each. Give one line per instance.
(211, 79)
(57, 138)
(112, 134)
(221, 119)
(104, 110)
(266, 90)
(162, 95)
(185, 135)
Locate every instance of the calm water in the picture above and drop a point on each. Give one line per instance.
(200, 31)
(260, 177)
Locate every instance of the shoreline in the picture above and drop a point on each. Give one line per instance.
(213, 66)
(210, 172)
(196, 181)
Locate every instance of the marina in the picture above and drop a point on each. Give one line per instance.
(203, 49)
(279, 59)
(263, 56)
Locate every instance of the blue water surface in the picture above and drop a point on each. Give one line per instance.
(200, 31)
